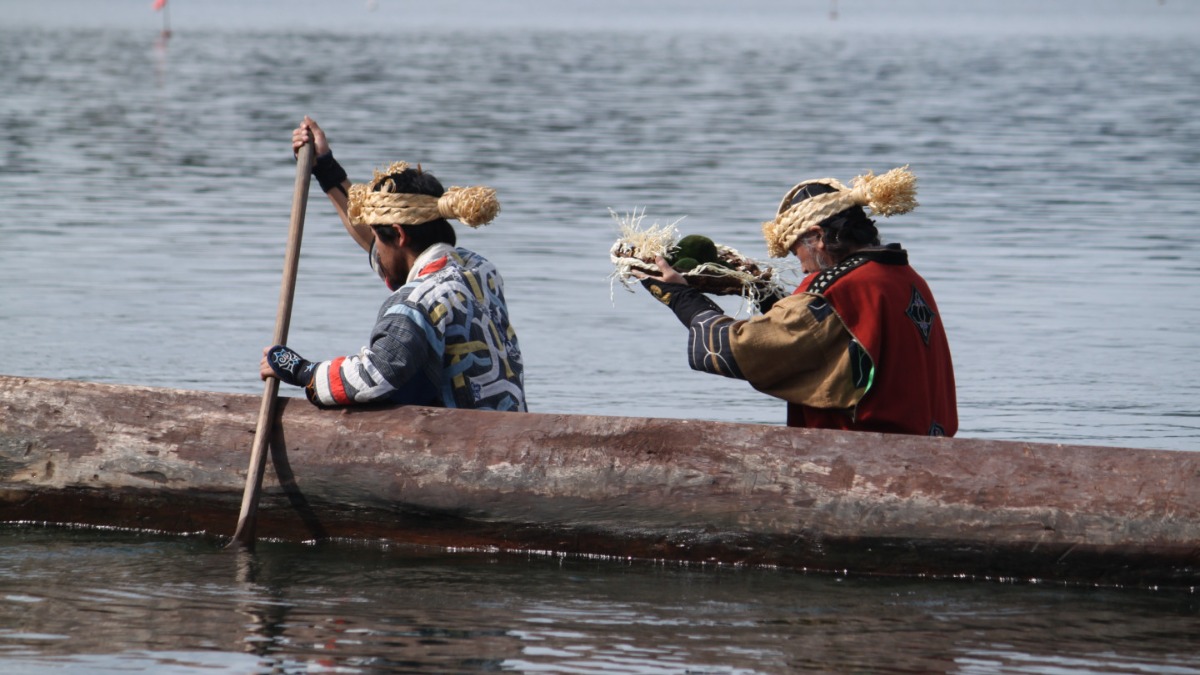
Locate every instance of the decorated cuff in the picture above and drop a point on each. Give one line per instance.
(289, 367)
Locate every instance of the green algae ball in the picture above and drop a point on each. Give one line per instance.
(685, 264)
(698, 247)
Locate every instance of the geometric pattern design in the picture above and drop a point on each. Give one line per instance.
(921, 315)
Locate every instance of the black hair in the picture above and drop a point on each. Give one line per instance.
(844, 231)
(420, 237)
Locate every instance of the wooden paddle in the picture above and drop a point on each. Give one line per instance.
(243, 536)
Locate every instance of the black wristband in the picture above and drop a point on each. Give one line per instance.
(328, 172)
(684, 300)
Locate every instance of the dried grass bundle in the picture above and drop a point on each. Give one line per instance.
(638, 246)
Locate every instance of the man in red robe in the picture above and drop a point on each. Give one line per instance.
(860, 344)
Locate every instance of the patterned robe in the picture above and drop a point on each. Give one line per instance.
(442, 339)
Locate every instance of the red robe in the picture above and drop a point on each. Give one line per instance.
(891, 312)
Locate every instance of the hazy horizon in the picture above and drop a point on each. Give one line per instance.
(1062, 17)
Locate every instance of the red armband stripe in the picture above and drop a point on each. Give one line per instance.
(337, 388)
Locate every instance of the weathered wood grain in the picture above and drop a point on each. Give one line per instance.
(687, 490)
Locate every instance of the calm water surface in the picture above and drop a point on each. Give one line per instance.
(184, 606)
(144, 197)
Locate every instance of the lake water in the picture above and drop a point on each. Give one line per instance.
(145, 189)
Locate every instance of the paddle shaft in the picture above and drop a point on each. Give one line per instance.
(244, 534)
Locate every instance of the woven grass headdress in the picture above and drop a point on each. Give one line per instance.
(378, 203)
(893, 193)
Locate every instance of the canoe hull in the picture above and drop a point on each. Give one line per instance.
(681, 490)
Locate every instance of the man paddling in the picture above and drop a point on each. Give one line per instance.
(443, 337)
(860, 344)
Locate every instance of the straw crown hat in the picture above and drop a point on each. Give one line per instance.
(378, 203)
(892, 193)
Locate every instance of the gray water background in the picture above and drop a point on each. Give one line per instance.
(145, 188)
(145, 191)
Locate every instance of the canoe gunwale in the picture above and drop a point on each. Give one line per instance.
(168, 460)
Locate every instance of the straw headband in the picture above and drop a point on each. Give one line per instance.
(377, 203)
(892, 193)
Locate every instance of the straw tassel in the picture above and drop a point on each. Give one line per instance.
(890, 194)
(355, 198)
(775, 248)
(472, 206)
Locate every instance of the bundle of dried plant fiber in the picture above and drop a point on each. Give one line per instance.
(726, 272)
(377, 203)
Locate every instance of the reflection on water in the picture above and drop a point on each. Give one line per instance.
(153, 603)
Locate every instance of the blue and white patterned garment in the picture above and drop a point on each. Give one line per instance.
(442, 339)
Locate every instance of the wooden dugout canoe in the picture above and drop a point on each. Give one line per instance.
(678, 490)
